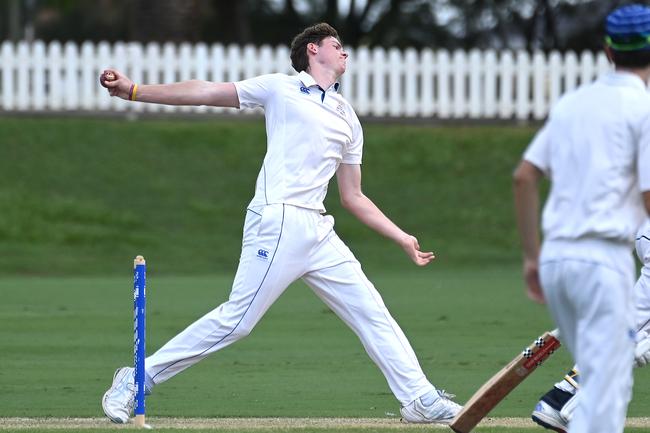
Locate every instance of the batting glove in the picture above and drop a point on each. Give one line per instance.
(642, 353)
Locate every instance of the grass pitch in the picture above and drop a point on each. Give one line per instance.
(308, 425)
(63, 337)
(82, 197)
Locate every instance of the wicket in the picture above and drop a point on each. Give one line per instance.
(139, 335)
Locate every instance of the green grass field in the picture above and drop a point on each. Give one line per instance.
(80, 198)
(62, 338)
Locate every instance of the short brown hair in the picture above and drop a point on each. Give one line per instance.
(631, 59)
(314, 34)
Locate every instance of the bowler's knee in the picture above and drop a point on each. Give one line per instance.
(242, 330)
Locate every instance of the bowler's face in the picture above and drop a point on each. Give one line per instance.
(333, 55)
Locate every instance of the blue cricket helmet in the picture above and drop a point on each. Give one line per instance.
(628, 28)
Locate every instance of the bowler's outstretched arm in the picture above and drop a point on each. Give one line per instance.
(348, 177)
(192, 92)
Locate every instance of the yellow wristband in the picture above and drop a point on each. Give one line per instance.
(133, 92)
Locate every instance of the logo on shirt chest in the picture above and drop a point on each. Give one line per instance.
(340, 109)
(304, 90)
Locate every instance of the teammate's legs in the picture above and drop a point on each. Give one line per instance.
(642, 302)
(642, 287)
(548, 409)
(592, 306)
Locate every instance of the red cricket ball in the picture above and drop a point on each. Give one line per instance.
(106, 76)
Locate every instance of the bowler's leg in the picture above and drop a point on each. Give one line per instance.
(336, 277)
(347, 291)
(265, 270)
(261, 277)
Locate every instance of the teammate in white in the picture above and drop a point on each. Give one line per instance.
(556, 407)
(595, 148)
(313, 133)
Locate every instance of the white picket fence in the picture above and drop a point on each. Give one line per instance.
(379, 82)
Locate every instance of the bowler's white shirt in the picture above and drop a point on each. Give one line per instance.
(310, 131)
(595, 148)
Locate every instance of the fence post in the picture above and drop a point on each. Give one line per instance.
(427, 80)
(602, 64)
(474, 84)
(475, 71)
(23, 96)
(136, 71)
(55, 82)
(7, 68)
(120, 63)
(88, 77)
(570, 72)
(104, 61)
(505, 98)
(442, 63)
(71, 76)
(540, 86)
(395, 73)
(378, 82)
(490, 84)
(151, 71)
(522, 96)
(555, 78)
(266, 60)
(587, 68)
(282, 61)
(38, 70)
(459, 73)
(411, 104)
(362, 68)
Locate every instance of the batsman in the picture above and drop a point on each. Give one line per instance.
(595, 149)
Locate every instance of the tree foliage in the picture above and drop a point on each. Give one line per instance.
(499, 24)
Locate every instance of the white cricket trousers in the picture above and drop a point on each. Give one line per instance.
(642, 287)
(588, 287)
(281, 244)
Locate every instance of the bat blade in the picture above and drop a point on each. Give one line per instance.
(502, 383)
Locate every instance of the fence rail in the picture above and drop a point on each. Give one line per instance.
(379, 82)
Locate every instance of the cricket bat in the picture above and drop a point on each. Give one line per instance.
(500, 385)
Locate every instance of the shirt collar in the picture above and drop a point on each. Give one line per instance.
(309, 81)
(626, 79)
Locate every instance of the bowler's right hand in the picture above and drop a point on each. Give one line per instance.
(117, 85)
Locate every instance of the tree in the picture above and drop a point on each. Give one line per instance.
(450, 24)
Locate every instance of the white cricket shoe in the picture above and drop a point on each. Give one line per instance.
(549, 418)
(441, 411)
(119, 400)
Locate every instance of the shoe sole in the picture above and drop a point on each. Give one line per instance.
(436, 422)
(114, 420)
(547, 424)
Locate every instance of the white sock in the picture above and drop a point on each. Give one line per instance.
(566, 386)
